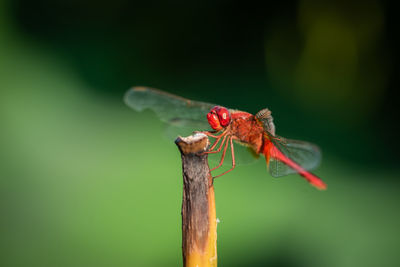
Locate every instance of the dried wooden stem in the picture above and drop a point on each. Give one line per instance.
(199, 225)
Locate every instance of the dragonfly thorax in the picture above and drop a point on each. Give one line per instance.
(245, 129)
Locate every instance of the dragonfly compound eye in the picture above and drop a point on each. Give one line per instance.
(224, 116)
(213, 120)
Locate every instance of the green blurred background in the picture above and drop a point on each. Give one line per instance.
(85, 181)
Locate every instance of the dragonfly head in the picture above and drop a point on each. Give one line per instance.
(219, 118)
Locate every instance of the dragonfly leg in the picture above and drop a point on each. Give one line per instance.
(211, 134)
(216, 142)
(219, 148)
(223, 154)
(233, 158)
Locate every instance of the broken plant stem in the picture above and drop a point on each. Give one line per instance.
(199, 223)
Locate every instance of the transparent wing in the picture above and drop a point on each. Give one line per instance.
(183, 117)
(265, 118)
(305, 154)
(179, 112)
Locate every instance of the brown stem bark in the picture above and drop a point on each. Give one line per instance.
(199, 225)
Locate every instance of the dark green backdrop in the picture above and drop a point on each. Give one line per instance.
(85, 181)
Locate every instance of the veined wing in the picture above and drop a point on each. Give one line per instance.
(305, 154)
(175, 110)
(265, 118)
(183, 116)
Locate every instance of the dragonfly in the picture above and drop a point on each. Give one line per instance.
(230, 127)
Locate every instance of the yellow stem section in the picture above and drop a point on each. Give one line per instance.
(206, 257)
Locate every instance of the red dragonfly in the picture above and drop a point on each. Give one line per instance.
(283, 156)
